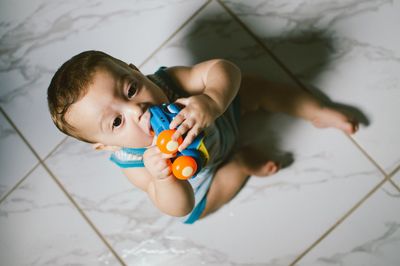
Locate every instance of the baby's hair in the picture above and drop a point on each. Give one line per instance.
(70, 84)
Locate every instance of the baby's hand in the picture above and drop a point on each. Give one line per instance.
(199, 112)
(157, 163)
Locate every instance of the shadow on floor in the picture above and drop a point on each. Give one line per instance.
(217, 35)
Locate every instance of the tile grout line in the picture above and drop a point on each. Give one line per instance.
(175, 32)
(394, 184)
(340, 221)
(16, 185)
(263, 46)
(391, 175)
(366, 154)
(55, 148)
(394, 171)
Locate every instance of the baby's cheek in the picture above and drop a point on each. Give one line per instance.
(136, 140)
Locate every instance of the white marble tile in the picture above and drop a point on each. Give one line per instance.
(16, 159)
(39, 226)
(370, 235)
(270, 222)
(37, 37)
(348, 49)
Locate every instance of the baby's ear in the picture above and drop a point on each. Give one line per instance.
(102, 147)
(134, 67)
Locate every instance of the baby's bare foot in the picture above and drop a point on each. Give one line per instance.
(329, 117)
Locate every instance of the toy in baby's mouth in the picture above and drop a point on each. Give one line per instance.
(187, 163)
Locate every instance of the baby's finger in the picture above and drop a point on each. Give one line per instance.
(167, 156)
(182, 102)
(162, 164)
(154, 142)
(165, 173)
(192, 134)
(151, 151)
(178, 119)
(182, 129)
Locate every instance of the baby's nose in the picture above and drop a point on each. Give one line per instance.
(135, 110)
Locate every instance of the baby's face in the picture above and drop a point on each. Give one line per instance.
(114, 111)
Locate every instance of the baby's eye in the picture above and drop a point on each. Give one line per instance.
(117, 122)
(132, 90)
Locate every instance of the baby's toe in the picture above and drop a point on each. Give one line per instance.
(347, 127)
(350, 126)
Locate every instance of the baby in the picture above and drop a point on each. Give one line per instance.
(101, 100)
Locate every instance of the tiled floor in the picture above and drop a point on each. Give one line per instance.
(336, 204)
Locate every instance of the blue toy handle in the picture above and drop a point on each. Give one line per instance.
(161, 117)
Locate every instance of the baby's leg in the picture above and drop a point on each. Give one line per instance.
(256, 93)
(230, 178)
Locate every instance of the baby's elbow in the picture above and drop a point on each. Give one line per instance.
(188, 209)
(181, 210)
(181, 213)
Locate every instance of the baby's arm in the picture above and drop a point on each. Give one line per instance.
(169, 194)
(212, 85)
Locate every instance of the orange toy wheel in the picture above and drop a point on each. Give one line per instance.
(184, 167)
(165, 142)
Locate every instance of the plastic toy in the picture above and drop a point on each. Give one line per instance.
(165, 143)
(187, 163)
